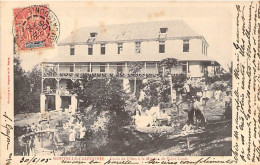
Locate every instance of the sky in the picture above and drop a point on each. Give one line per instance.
(213, 20)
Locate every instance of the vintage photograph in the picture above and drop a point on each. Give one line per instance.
(99, 79)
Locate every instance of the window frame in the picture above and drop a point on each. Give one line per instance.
(93, 34)
(71, 68)
(163, 30)
(102, 49)
(119, 67)
(119, 48)
(137, 47)
(186, 45)
(101, 67)
(72, 50)
(90, 48)
(162, 45)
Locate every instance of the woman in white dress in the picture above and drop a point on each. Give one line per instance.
(82, 131)
(72, 136)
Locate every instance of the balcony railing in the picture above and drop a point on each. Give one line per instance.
(77, 75)
(62, 92)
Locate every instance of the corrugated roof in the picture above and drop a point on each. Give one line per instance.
(134, 31)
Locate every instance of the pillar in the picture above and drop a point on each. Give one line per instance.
(156, 66)
(145, 68)
(57, 102)
(42, 102)
(126, 85)
(126, 70)
(74, 103)
(170, 78)
(163, 70)
(187, 67)
(135, 86)
(58, 70)
(108, 68)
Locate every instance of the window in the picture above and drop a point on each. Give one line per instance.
(71, 68)
(72, 50)
(206, 50)
(186, 46)
(120, 48)
(161, 47)
(163, 30)
(138, 47)
(184, 68)
(90, 49)
(103, 49)
(120, 68)
(102, 68)
(93, 34)
(89, 69)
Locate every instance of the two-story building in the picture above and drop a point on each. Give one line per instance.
(108, 50)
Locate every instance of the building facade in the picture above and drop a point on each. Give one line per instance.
(108, 50)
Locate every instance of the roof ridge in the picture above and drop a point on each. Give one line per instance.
(125, 24)
(139, 30)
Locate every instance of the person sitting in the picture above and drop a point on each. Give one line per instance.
(187, 128)
(163, 118)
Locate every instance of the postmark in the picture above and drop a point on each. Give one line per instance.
(35, 27)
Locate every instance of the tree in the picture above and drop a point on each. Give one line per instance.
(27, 88)
(106, 96)
(168, 63)
(158, 91)
(135, 67)
(21, 87)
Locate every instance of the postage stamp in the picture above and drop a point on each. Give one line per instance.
(35, 27)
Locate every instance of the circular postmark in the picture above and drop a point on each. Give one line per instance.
(35, 27)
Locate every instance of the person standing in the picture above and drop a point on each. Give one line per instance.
(72, 135)
(199, 112)
(82, 131)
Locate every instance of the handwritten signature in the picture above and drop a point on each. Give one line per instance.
(8, 129)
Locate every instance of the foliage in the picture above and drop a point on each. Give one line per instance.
(103, 94)
(179, 80)
(27, 86)
(158, 91)
(220, 87)
(168, 63)
(135, 67)
(222, 77)
(108, 100)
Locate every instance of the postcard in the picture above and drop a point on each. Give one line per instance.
(147, 82)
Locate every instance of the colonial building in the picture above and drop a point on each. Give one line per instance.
(108, 50)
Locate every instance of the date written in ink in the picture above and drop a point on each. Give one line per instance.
(34, 160)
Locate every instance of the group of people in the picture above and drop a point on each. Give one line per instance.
(155, 116)
(77, 130)
(34, 128)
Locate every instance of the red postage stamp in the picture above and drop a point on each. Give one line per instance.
(35, 27)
